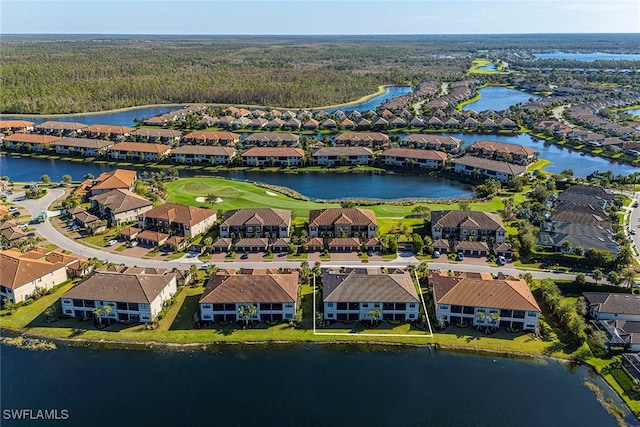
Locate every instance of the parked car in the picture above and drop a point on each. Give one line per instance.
(460, 256)
(13, 209)
(502, 260)
(112, 242)
(245, 255)
(134, 243)
(23, 226)
(204, 266)
(436, 254)
(635, 204)
(633, 231)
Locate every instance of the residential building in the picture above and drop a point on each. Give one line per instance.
(432, 142)
(412, 157)
(113, 132)
(621, 334)
(118, 206)
(478, 299)
(206, 137)
(274, 295)
(252, 244)
(186, 221)
(60, 128)
(82, 146)
(21, 274)
(29, 141)
(478, 166)
(366, 139)
(273, 156)
(467, 225)
(511, 153)
(130, 297)
(215, 155)
(7, 126)
(269, 139)
(343, 156)
(354, 294)
(138, 151)
(260, 222)
(613, 306)
(343, 222)
(164, 136)
(123, 179)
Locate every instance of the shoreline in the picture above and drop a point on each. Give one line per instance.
(380, 91)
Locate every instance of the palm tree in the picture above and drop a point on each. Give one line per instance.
(107, 310)
(247, 312)
(98, 312)
(629, 277)
(375, 316)
(480, 316)
(624, 257)
(566, 246)
(211, 198)
(597, 275)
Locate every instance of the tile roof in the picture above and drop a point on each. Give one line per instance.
(208, 150)
(466, 245)
(273, 152)
(367, 286)
(152, 236)
(266, 216)
(453, 219)
(119, 178)
(83, 143)
(413, 153)
(489, 164)
(343, 151)
(17, 270)
(120, 200)
(502, 147)
(180, 214)
(251, 288)
(361, 137)
(212, 136)
(14, 124)
(53, 125)
(117, 287)
(114, 129)
(332, 216)
(141, 147)
(31, 138)
(616, 303)
(510, 293)
(157, 133)
(432, 139)
(248, 242)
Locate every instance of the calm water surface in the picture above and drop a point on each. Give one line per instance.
(497, 98)
(297, 386)
(589, 57)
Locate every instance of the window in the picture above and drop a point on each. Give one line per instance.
(66, 301)
(532, 313)
(330, 304)
(216, 307)
(330, 315)
(68, 311)
(412, 305)
(206, 306)
(531, 325)
(376, 305)
(365, 305)
(412, 316)
(288, 305)
(443, 307)
(288, 316)
(145, 317)
(207, 317)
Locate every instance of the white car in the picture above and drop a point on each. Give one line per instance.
(204, 266)
(112, 242)
(23, 226)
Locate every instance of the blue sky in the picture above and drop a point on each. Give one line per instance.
(319, 16)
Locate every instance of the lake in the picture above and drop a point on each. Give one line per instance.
(498, 98)
(125, 118)
(589, 57)
(325, 186)
(304, 385)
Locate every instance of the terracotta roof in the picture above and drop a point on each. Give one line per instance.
(339, 242)
(12, 233)
(113, 129)
(271, 137)
(269, 216)
(509, 294)
(471, 246)
(180, 214)
(257, 242)
(361, 137)
(315, 242)
(207, 150)
(10, 124)
(53, 125)
(152, 236)
(133, 288)
(157, 133)
(332, 216)
(119, 200)
(31, 138)
(273, 152)
(17, 270)
(82, 143)
(130, 231)
(207, 135)
(367, 286)
(603, 302)
(119, 178)
(141, 147)
(489, 164)
(413, 153)
(432, 139)
(343, 151)
(453, 219)
(222, 242)
(501, 147)
(251, 288)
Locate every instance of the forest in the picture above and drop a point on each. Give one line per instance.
(71, 74)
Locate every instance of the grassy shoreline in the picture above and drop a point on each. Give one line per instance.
(378, 92)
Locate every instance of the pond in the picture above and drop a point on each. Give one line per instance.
(589, 57)
(498, 98)
(304, 385)
(126, 118)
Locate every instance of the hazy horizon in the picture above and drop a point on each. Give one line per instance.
(317, 17)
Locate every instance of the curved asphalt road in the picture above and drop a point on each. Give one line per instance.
(47, 231)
